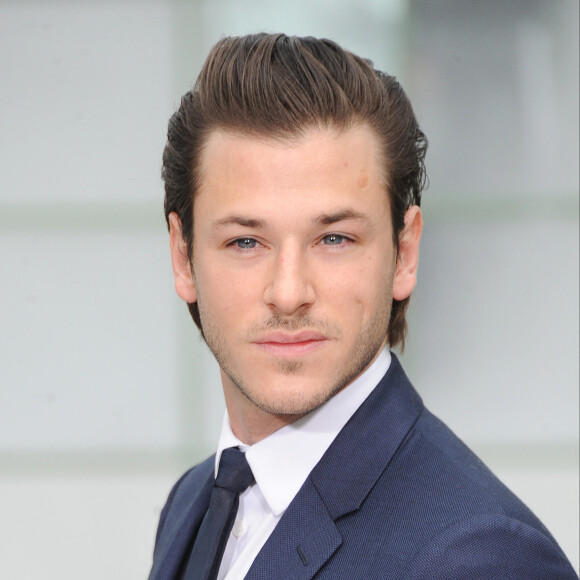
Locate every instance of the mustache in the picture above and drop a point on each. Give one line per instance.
(277, 322)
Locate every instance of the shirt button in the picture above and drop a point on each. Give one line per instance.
(240, 528)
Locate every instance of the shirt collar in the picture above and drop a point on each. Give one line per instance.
(282, 461)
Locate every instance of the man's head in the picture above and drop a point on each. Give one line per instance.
(280, 88)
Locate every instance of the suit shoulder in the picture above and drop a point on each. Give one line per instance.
(455, 513)
(455, 482)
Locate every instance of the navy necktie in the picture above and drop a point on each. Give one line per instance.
(234, 476)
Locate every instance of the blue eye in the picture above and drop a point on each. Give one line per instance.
(246, 243)
(333, 240)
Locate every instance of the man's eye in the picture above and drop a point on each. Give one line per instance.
(246, 243)
(334, 239)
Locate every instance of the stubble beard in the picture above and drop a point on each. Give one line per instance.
(369, 342)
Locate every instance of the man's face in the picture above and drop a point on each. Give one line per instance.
(293, 264)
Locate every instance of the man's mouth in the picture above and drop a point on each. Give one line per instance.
(291, 344)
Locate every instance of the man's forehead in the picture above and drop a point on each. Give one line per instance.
(324, 178)
(273, 144)
(339, 170)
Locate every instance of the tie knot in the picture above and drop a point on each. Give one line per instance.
(234, 472)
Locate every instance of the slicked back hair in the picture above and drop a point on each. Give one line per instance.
(276, 86)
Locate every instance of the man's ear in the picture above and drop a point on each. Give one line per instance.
(408, 258)
(182, 271)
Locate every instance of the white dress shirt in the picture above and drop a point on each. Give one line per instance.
(281, 463)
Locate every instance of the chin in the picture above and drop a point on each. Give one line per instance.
(290, 402)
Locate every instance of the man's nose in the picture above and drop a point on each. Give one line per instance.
(290, 288)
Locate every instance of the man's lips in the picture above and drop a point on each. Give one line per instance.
(287, 338)
(291, 344)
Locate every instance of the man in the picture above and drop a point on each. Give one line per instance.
(293, 174)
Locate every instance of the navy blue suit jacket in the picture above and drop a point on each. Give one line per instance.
(396, 496)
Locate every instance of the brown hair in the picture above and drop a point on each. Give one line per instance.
(280, 86)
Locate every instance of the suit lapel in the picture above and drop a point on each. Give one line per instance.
(304, 539)
(307, 536)
(365, 446)
(178, 538)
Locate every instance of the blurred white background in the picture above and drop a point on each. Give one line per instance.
(106, 391)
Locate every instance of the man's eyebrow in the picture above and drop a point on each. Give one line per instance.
(347, 214)
(240, 221)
